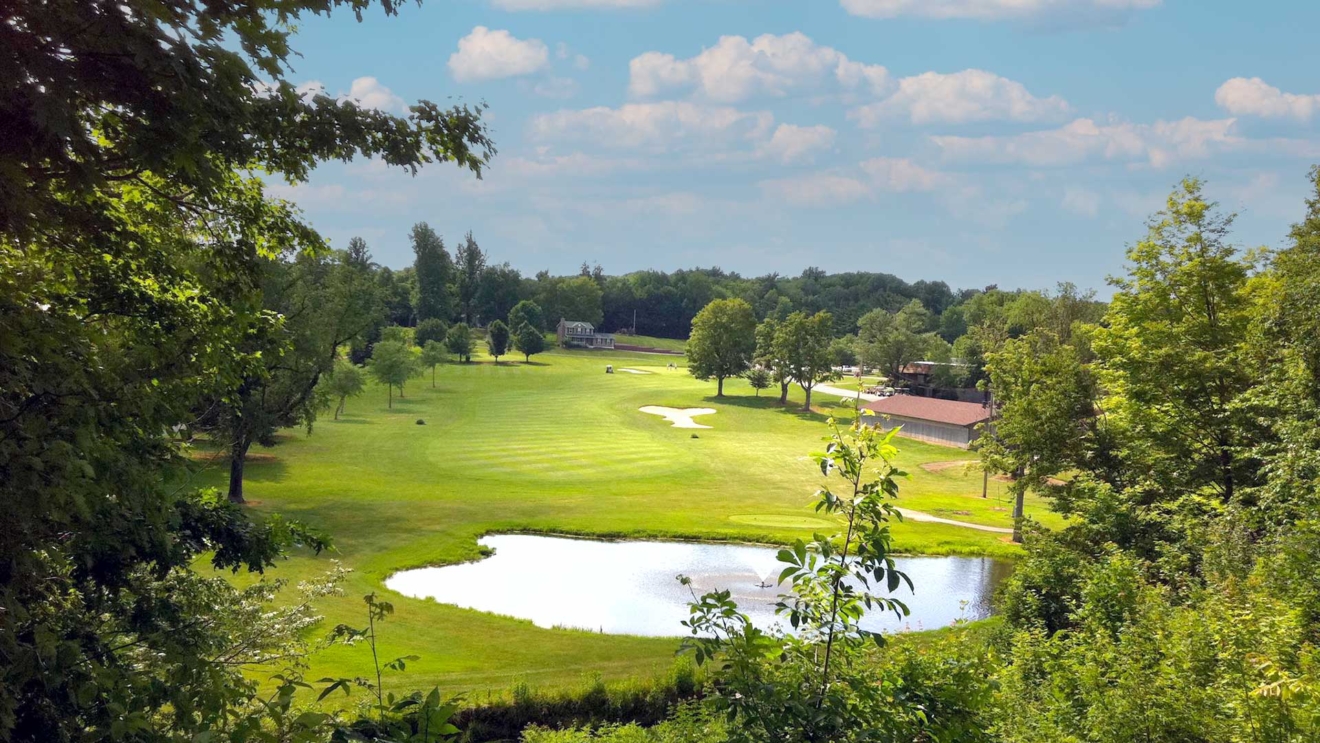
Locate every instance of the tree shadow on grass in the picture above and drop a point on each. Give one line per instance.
(768, 402)
(265, 470)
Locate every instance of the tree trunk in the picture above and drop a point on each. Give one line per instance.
(783, 393)
(432, 377)
(807, 405)
(340, 407)
(1019, 499)
(390, 387)
(719, 389)
(237, 457)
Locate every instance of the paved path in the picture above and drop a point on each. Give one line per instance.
(929, 519)
(829, 389)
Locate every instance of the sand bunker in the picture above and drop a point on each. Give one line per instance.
(634, 371)
(680, 417)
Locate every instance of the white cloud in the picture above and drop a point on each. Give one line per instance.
(657, 126)
(736, 69)
(1159, 144)
(791, 143)
(1081, 201)
(901, 174)
(571, 4)
(489, 55)
(1254, 97)
(961, 97)
(816, 190)
(997, 10)
(369, 93)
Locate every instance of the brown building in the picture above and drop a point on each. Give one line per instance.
(948, 422)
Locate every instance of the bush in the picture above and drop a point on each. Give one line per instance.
(643, 702)
(430, 329)
(690, 723)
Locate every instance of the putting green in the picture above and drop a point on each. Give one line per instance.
(557, 446)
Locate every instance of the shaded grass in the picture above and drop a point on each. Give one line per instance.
(560, 447)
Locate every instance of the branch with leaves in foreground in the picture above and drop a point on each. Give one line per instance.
(808, 685)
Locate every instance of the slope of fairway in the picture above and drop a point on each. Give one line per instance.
(560, 446)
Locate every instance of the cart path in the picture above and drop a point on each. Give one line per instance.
(923, 517)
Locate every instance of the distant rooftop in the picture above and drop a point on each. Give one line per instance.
(931, 409)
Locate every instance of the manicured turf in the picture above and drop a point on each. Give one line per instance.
(648, 341)
(560, 446)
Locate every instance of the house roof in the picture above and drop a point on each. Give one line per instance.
(931, 409)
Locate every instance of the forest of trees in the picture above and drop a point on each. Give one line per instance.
(874, 318)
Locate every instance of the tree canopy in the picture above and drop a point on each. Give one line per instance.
(722, 342)
(134, 245)
(497, 339)
(803, 344)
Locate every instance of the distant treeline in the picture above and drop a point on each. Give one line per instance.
(654, 303)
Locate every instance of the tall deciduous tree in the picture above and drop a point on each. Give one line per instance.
(470, 266)
(501, 288)
(767, 355)
(497, 339)
(322, 303)
(722, 341)
(1045, 399)
(130, 248)
(804, 344)
(392, 364)
(434, 271)
(1171, 352)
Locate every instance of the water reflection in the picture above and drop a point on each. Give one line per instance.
(629, 587)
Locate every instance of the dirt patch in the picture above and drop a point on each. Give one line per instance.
(941, 466)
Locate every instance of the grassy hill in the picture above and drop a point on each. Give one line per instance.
(559, 446)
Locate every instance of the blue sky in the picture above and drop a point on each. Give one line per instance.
(1010, 142)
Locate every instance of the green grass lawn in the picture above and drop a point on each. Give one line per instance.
(559, 446)
(648, 341)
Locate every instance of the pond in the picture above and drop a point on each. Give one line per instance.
(629, 587)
